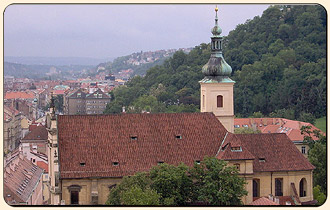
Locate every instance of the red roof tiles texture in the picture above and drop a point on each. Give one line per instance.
(38, 133)
(20, 181)
(98, 141)
(279, 152)
(22, 95)
(263, 202)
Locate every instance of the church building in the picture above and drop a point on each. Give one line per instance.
(90, 154)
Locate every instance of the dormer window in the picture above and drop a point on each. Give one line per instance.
(115, 163)
(134, 137)
(198, 162)
(160, 162)
(78, 95)
(236, 149)
(82, 163)
(262, 160)
(178, 136)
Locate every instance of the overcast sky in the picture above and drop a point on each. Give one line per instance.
(102, 31)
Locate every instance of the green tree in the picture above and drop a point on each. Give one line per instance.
(319, 195)
(246, 131)
(317, 155)
(173, 183)
(217, 184)
(137, 196)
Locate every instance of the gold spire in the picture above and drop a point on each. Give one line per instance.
(216, 8)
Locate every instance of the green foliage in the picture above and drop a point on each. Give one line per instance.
(217, 183)
(279, 70)
(317, 155)
(321, 123)
(306, 117)
(58, 102)
(172, 183)
(136, 196)
(318, 195)
(212, 182)
(246, 131)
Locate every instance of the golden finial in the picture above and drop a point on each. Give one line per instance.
(216, 8)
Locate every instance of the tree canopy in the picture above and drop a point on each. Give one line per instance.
(279, 70)
(211, 182)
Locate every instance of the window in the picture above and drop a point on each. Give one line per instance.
(203, 101)
(74, 194)
(115, 163)
(236, 126)
(262, 160)
(236, 149)
(74, 197)
(82, 163)
(237, 166)
(256, 187)
(198, 162)
(219, 101)
(160, 162)
(78, 95)
(178, 136)
(278, 187)
(302, 187)
(134, 137)
(303, 149)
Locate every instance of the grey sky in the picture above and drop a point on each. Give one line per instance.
(113, 30)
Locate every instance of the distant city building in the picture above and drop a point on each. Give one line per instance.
(12, 128)
(82, 102)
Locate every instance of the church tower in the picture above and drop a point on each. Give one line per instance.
(217, 89)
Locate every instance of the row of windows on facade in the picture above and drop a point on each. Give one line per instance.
(219, 101)
(94, 112)
(96, 95)
(279, 187)
(116, 163)
(94, 102)
(90, 107)
(74, 190)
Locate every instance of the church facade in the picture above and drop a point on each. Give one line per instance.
(90, 154)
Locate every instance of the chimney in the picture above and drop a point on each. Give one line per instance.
(124, 111)
(270, 197)
(277, 200)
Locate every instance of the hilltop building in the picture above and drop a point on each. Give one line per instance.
(90, 154)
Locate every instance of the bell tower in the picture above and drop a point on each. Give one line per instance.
(217, 89)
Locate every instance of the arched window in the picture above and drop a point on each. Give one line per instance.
(219, 101)
(302, 187)
(256, 187)
(278, 187)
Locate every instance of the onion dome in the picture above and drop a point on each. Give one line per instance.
(216, 68)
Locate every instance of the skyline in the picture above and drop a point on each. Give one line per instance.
(112, 30)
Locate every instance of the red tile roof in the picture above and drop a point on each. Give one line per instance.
(263, 202)
(22, 95)
(43, 165)
(20, 178)
(227, 153)
(277, 150)
(277, 125)
(98, 141)
(38, 133)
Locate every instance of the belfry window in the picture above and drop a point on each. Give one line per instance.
(219, 101)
